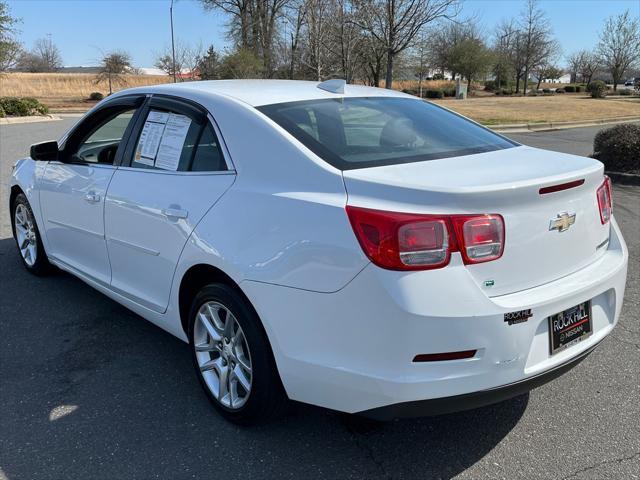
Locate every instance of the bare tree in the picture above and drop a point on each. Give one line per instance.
(317, 38)
(114, 66)
(186, 58)
(294, 20)
(10, 48)
(396, 23)
(535, 40)
(254, 24)
(347, 39)
(506, 56)
(421, 59)
(619, 45)
(574, 62)
(48, 53)
(588, 65)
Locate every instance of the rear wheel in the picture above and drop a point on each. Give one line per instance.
(27, 236)
(232, 357)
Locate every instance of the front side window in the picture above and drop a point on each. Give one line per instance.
(367, 132)
(174, 142)
(101, 145)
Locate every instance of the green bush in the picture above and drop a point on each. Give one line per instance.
(618, 148)
(2, 114)
(598, 89)
(625, 92)
(434, 93)
(22, 107)
(546, 90)
(449, 92)
(570, 89)
(560, 90)
(96, 96)
(579, 88)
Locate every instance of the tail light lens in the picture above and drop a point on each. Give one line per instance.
(402, 241)
(482, 237)
(605, 200)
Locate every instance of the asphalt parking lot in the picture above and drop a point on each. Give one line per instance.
(90, 390)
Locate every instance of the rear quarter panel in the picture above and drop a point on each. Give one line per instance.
(283, 221)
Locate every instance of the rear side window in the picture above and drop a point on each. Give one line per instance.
(174, 142)
(367, 132)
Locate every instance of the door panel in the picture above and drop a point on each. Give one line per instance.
(149, 216)
(72, 202)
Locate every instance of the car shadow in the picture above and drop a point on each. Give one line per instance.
(91, 390)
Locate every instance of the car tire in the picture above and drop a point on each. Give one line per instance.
(232, 357)
(27, 237)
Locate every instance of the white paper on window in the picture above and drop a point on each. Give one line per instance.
(150, 138)
(172, 142)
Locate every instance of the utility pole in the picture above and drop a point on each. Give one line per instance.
(173, 47)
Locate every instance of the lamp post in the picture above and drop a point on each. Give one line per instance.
(173, 48)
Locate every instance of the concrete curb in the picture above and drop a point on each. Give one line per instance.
(546, 126)
(624, 178)
(34, 119)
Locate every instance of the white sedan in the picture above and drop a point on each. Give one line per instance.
(344, 246)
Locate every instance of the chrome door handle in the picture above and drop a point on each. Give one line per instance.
(175, 213)
(92, 197)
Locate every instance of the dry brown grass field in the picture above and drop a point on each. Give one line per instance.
(556, 108)
(62, 91)
(69, 92)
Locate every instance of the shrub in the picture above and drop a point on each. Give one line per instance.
(598, 89)
(579, 88)
(434, 93)
(546, 90)
(625, 92)
(560, 90)
(570, 89)
(22, 107)
(618, 148)
(449, 92)
(2, 114)
(96, 96)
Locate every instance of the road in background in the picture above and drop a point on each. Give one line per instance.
(90, 390)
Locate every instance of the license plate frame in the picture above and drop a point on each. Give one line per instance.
(565, 331)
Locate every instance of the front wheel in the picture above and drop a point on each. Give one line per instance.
(27, 236)
(232, 357)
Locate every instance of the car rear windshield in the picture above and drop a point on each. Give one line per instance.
(364, 132)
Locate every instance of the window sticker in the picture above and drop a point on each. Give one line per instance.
(173, 138)
(162, 140)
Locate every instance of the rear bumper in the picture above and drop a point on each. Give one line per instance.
(353, 350)
(468, 401)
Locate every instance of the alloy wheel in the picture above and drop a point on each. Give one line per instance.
(222, 354)
(26, 234)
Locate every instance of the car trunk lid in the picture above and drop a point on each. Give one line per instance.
(507, 182)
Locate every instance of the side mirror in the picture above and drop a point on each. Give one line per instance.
(45, 151)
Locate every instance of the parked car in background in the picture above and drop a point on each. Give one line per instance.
(345, 246)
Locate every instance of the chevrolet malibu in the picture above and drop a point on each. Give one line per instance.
(349, 247)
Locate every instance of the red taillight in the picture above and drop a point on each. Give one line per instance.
(605, 200)
(481, 237)
(403, 241)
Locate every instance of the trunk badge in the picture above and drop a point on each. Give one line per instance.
(563, 221)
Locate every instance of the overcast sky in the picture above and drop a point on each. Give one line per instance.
(83, 29)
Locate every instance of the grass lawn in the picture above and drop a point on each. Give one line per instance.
(556, 108)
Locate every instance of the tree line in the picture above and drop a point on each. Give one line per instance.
(369, 41)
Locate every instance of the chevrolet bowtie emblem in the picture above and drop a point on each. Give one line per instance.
(563, 222)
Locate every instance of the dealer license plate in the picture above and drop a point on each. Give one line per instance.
(570, 327)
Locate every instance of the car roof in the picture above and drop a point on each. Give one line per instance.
(267, 92)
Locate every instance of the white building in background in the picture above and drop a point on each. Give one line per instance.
(152, 71)
(566, 78)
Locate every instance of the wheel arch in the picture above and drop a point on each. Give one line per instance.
(196, 277)
(15, 191)
(199, 275)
